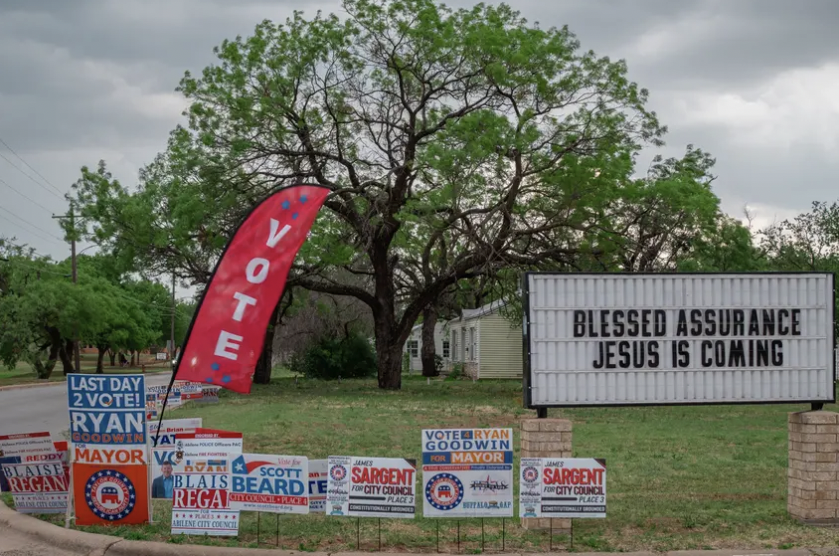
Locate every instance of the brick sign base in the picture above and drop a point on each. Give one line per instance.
(546, 438)
(813, 475)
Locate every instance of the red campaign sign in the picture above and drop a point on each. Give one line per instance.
(201, 433)
(200, 499)
(226, 336)
(116, 494)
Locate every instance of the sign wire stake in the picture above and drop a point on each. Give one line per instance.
(438, 536)
(551, 534)
(380, 534)
(70, 498)
(482, 534)
(503, 534)
(458, 536)
(358, 533)
(258, 520)
(278, 530)
(571, 534)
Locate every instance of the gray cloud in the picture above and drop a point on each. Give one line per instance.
(90, 79)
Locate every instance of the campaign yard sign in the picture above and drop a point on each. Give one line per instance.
(371, 487)
(164, 453)
(107, 419)
(318, 484)
(26, 444)
(201, 504)
(24, 448)
(209, 394)
(160, 392)
(268, 483)
(190, 391)
(209, 443)
(562, 487)
(152, 406)
(38, 488)
(467, 472)
(106, 494)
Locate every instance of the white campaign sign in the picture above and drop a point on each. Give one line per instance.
(164, 454)
(371, 487)
(654, 339)
(562, 487)
(318, 485)
(201, 503)
(269, 483)
(467, 472)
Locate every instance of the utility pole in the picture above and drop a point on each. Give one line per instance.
(71, 215)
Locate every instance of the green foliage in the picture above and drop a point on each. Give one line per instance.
(458, 144)
(438, 363)
(41, 309)
(729, 247)
(457, 372)
(331, 358)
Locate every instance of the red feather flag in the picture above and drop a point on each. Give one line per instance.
(226, 336)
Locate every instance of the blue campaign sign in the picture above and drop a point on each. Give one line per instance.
(111, 393)
(107, 410)
(108, 427)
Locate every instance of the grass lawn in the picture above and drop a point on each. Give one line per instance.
(678, 478)
(24, 374)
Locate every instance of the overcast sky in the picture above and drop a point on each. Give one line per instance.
(752, 81)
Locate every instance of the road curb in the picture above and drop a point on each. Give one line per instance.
(146, 548)
(29, 385)
(81, 542)
(45, 384)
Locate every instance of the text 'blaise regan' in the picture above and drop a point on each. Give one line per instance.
(722, 338)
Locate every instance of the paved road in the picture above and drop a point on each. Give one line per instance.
(15, 544)
(45, 408)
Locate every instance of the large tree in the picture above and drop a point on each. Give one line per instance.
(458, 145)
(456, 142)
(808, 242)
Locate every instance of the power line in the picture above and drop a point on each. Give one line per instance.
(28, 198)
(39, 184)
(36, 234)
(29, 224)
(30, 167)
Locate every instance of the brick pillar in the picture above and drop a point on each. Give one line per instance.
(546, 438)
(813, 475)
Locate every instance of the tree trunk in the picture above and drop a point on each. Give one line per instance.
(388, 353)
(44, 371)
(61, 348)
(133, 358)
(264, 366)
(100, 367)
(429, 342)
(113, 355)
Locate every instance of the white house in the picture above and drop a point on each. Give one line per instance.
(486, 343)
(413, 346)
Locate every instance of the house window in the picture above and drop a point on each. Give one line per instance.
(446, 349)
(473, 344)
(463, 345)
(413, 348)
(455, 346)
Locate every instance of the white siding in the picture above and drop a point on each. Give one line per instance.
(563, 370)
(499, 347)
(440, 334)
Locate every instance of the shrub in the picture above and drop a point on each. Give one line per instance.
(457, 372)
(334, 358)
